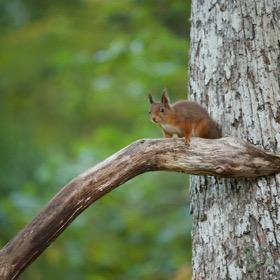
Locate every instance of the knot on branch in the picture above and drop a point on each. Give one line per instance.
(221, 170)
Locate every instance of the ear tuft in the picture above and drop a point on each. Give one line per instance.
(150, 98)
(165, 98)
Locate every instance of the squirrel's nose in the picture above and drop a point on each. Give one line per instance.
(154, 119)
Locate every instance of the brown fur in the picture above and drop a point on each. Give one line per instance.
(184, 118)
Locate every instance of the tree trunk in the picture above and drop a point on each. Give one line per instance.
(234, 70)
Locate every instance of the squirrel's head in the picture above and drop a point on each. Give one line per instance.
(159, 110)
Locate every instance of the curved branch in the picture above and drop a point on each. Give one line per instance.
(225, 157)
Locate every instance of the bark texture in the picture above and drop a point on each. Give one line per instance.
(137, 158)
(234, 70)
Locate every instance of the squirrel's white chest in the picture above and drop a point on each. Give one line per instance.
(172, 129)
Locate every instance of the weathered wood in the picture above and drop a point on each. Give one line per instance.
(226, 157)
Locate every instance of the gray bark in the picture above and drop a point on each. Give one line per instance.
(234, 70)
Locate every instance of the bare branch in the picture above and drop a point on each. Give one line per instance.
(225, 157)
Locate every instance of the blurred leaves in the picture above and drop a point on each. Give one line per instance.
(74, 77)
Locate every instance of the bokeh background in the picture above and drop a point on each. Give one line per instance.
(74, 77)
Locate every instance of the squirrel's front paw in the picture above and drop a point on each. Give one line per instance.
(187, 141)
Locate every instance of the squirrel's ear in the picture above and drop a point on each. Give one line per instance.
(165, 98)
(150, 98)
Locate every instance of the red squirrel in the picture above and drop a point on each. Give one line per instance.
(184, 118)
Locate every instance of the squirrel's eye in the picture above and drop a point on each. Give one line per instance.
(161, 110)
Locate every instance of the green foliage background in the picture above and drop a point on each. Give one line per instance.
(74, 77)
